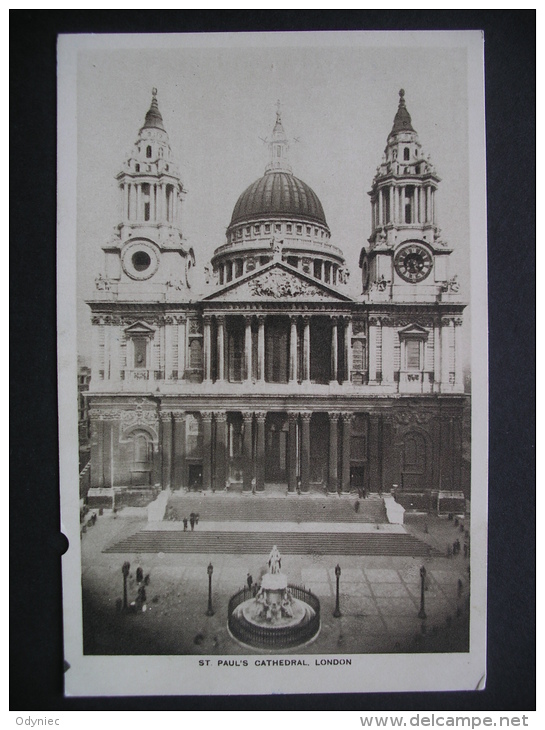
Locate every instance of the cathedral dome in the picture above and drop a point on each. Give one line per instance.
(278, 193)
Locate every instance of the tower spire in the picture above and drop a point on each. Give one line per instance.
(278, 146)
(154, 120)
(402, 119)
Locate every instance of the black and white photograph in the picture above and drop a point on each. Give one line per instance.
(272, 347)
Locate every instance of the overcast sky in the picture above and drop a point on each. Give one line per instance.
(338, 94)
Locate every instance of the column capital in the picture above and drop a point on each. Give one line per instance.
(261, 319)
(248, 319)
(293, 416)
(179, 416)
(347, 416)
(334, 417)
(306, 319)
(221, 416)
(294, 318)
(305, 415)
(247, 416)
(165, 416)
(261, 416)
(207, 318)
(207, 416)
(220, 319)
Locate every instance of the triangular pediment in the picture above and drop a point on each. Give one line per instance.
(413, 330)
(276, 282)
(139, 328)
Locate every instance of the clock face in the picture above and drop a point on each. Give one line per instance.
(413, 262)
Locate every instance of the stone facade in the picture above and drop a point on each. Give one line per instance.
(275, 375)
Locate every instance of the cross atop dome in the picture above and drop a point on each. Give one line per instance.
(278, 146)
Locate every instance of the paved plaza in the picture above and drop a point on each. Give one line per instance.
(379, 595)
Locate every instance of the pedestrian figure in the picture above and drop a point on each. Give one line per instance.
(249, 581)
(364, 493)
(456, 522)
(357, 505)
(146, 579)
(196, 518)
(139, 575)
(462, 529)
(460, 587)
(185, 524)
(192, 521)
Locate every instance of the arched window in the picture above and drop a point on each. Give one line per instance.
(406, 153)
(195, 355)
(148, 151)
(137, 167)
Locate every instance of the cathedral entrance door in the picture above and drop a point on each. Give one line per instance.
(276, 449)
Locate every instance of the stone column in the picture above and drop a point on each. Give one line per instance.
(166, 449)
(97, 450)
(292, 438)
(380, 207)
(373, 322)
(220, 320)
(248, 472)
(334, 351)
(445, 353)
(206, 417)
(305, 450)
(293, 349)
(260, 456)
(180, 365)
(387, 352)
(347, 438)
(306, 349)
(178, 449)
(333, 480)
(206, 351)
(221, 442)
(436, 356)
(348, 346)
(168, 327)
(391, 217)
(428, 204)
(126, 201)
(248, 347)
(152, 202)
(375, 456)
(458, 373)
(261, 349)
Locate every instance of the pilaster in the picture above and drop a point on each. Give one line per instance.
(305, 450)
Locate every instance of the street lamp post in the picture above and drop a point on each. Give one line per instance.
(422, 612)
(125, 570)
(210, 570)
(337, 611)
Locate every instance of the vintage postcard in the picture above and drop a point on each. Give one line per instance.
(272, 362)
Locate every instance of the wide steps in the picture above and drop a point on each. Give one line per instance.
(252, 543)
(217, 508)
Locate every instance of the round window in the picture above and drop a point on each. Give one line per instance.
(141, 260)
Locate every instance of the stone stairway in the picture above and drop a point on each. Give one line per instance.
(258, 508)
(259, 543)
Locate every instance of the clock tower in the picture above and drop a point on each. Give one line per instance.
(406, 260)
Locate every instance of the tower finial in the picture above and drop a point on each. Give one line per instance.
(278, 146)
(402, 119)
(154, 92)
